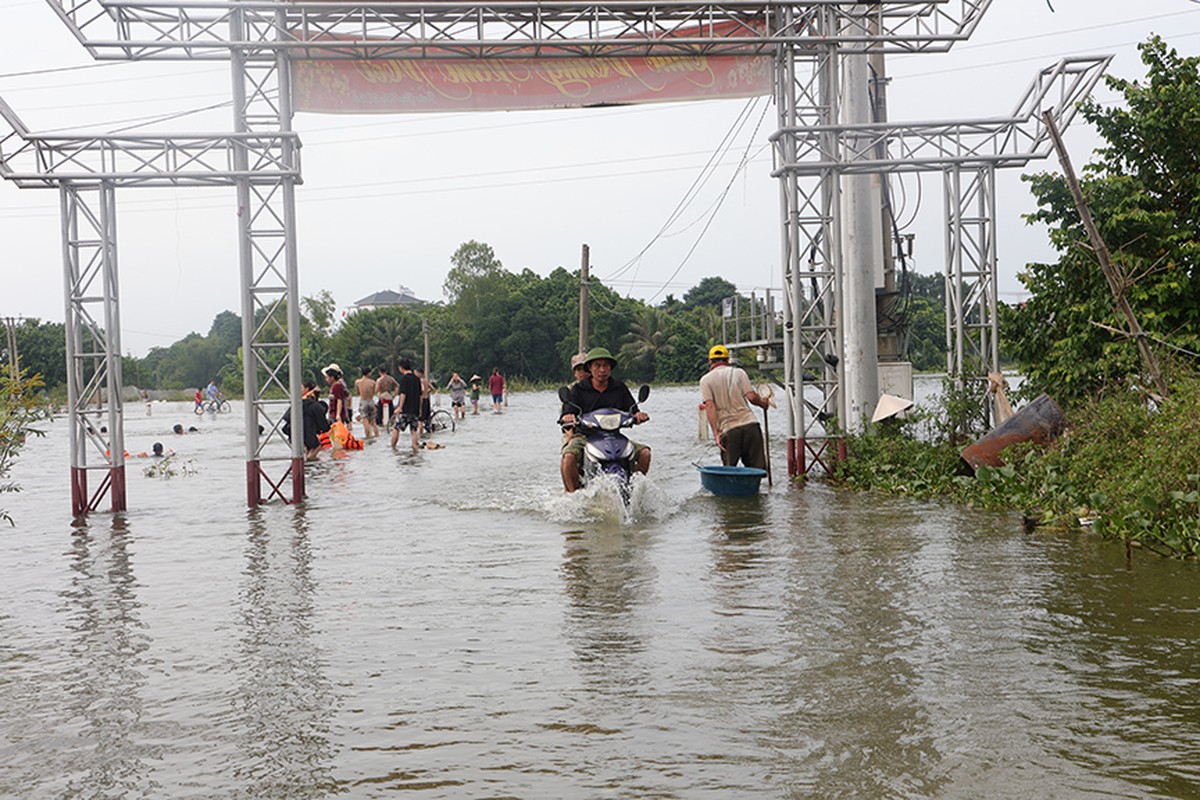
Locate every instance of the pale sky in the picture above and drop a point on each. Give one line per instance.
(388, 199)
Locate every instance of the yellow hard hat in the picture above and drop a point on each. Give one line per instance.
(718, 353)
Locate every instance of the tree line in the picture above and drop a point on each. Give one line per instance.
(524, 323)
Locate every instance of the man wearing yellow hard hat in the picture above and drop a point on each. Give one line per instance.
(727, 391)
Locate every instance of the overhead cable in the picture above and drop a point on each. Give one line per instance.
(740, 168)
(689, 196)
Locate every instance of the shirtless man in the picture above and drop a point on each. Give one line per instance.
(365, 386)
(386, 387)
(426, 397)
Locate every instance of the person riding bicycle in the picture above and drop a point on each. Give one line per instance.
(212, 392)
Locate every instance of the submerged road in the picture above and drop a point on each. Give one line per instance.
(447, 624)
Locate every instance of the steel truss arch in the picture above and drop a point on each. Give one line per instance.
(260, 159)
(813, 151)
(87, 170)
(198, 29)
(1011, 141)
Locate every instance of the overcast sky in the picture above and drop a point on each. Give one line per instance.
(388, 199)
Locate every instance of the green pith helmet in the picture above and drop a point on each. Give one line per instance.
(597, 353)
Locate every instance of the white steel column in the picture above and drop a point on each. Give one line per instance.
(807, 93)
(271, 370)
(972, 324)
(93, 344)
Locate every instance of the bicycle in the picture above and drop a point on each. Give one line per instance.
(441, 420)
(213, 406)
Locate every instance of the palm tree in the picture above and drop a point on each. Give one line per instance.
(648, 340)
(385, 345)
(709, 321)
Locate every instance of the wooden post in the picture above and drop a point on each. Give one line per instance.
(1112, 272)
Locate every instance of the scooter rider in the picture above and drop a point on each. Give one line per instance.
(599, 390)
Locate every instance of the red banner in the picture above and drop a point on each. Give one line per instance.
(406, 85)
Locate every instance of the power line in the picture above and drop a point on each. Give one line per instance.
(698, 183)
(745, 160)
(52, 70)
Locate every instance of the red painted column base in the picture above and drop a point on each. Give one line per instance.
(297, 471)
(253, 485)
(255, 478)
(114, 483)
(116, 477)
(795, 457)
(79, 495)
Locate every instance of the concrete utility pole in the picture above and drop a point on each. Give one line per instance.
(425, 334)
(14, 358)
(1112, 272)
(583, 300)
(862, 249)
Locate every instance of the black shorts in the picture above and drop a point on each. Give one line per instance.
(402, 422)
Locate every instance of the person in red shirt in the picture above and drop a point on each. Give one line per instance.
(339, 395)
(496, 385)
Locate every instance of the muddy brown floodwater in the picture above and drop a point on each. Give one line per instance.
(449, 625)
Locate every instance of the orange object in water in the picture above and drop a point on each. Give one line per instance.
(344, 437)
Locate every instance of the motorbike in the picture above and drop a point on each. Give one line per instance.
(608, 451)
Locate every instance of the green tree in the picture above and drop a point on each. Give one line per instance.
(43, 350)
(20, 410)
(473, 265)
(320, 312)
(649, 339)
(687, 359)
(1143, 190)
(709, 292)
(194, 360)
(926, 334)
(226, 331)
(375, 337)
(388, 344)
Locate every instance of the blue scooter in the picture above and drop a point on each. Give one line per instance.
(607, 451)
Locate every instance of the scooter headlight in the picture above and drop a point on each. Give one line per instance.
(608, 422)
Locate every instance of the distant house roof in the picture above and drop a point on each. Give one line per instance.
(387, 297)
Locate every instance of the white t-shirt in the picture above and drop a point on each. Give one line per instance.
(726, 388)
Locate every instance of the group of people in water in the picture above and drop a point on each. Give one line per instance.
(402, 404)
(397, 404)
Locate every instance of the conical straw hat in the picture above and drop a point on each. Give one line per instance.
(889, 406)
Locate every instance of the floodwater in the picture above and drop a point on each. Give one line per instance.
(447, 624)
